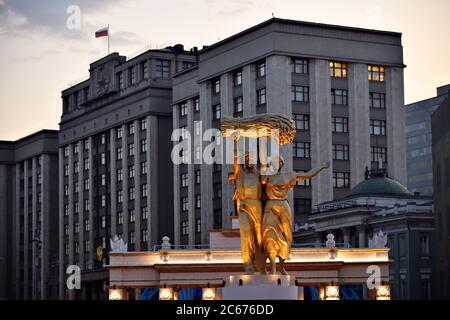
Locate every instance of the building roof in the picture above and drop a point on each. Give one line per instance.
(380, 185)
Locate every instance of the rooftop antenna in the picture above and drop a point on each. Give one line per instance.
(273, 16)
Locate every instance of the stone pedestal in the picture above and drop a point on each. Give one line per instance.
(260, 287)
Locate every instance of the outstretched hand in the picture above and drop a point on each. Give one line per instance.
(325, 165)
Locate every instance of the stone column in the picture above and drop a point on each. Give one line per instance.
(27, 240)
(359, 134)
(176, 183)
(61, 225)
(249, 89)
(17, 226)
(321, 136)
(362, 235)
(191, 174)
(137, 185)
(125, 171)
(91, 252)
(71, 215)
(34, 244)
(113, 180)
(152, 182)
(346, 232)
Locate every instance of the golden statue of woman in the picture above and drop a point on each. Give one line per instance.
(277, 216)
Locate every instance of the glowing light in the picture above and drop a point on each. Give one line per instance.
(209, 294)
(384, 292)
(165, 294)
(115, 294)
(332, 292)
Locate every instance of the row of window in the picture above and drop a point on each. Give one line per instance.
(162, 71)
(185, 227)
(339, 151)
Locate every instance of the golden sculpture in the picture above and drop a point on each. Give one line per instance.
(277, 218)
(267, 235)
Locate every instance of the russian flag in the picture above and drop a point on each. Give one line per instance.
(103, 32)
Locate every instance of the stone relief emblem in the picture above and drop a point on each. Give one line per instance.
(103, 80)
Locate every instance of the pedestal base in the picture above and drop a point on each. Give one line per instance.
(260, 287)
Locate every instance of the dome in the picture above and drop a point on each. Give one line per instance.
(380, 186)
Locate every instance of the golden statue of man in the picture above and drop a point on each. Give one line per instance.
(277, 217)
(246, 181)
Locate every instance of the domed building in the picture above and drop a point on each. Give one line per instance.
(380, 211)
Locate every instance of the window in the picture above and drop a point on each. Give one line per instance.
(376, 73)
(183, 109)
(66, 249)
(131, 128)
(216, 86)
(340, 124)
(143, 124)
(198, 225)
(197, 176)
(102, 158)
(76, 167)
(302, 206)
(119, 174)
(87, 245)
(379, 153)
(238, 108)
(119, 133)
(103, 179)
(197, 128)
(144, 190)
(425, 245)
(341, 179)
(144, 70)
(378, 127)
(144, 235)
(86, 164)
(86, 205)
(340, 152)
(132, 237)
(119, 218)
(66, 190)
(301, 121)
(131, 216)
(131, 149)
(77, 247)
(426, 287)
(119, 196)
(338, 69)
(197, 105)
(76, 187)
(76, 227)
(121, 81)
(66, 229)
(217, 191)
(339, 96)
(119, 153)
(238, 78)
(144, 213)
(132, 75)
(131, 193)
(66, 209)
(187, 65)
(377, 100)
(162, 69)
(217, 112)
(76, 147)
(66, 170)
(103, 201)
(261, 69)
(184, 228)
(86, 144)
(131, 171)
(184, 204)
(144, 145)
(66, 151)
(300, 66)
(184, 180)
(261, 96)
(144, 167)
(87, 225)
(103, 138)
(198, 202)
(300, 93)
(303, 183)
(217, 167)
(301, 149)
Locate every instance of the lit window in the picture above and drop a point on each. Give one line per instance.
(375, 73)
(183, 109)
(338, 69)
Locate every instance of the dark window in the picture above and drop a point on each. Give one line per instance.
(261, 69)
(183, 110)
(340, 124)
(301, 121)
(144, 70)
(261, 96)
(339, 96)
(162, 69)
(378, 127)
(238, 105)
(216, 86)
(338, 69)
(184, 228)
(187, 65)
(198, 225)
(379, 153)
(376, 73)
(300, 66)
(197, 176)
(184, 180)
(217, 112)
(301, 149)
(341, 179)
(238, 78)
(302, 206)
(300, 93)
(197, 104)
(132, 76)
(377, 100)
(340, 152)
(217, 190)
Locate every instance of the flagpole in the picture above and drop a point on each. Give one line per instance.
(108, 39)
